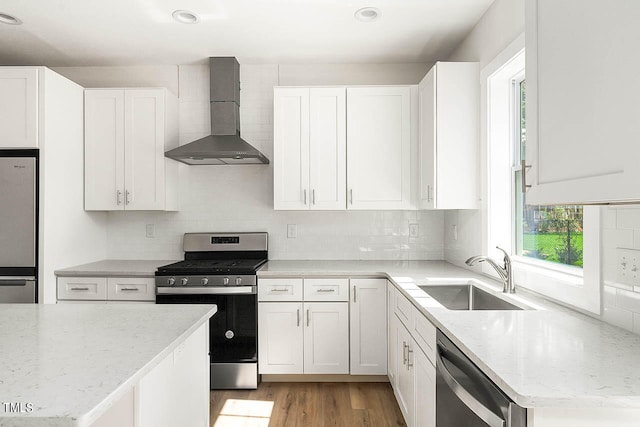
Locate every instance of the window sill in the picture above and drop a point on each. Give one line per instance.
(564, 274)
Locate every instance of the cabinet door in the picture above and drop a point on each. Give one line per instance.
(425, 389)
(427, 102)
(326, 338)
(368, 318)
(280, 338)
(291, 149)
(144, 149)
(582, 91)
(327, 146)
(104, 150)
(392, 337)
(19, 107)
(405, 375)
(378, 147)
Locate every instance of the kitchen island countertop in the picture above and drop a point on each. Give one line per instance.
(71, 362)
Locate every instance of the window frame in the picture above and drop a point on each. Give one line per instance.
(577, 287)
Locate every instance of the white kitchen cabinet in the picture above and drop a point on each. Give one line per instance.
(405, 379)
(19, 107)
(309, 148)
(392, 336)
(280, 338)
(176, 392)
(379, 147)
(582, 92)
(106, 289)
(326, 338)
(425, 389)
(449, 99)
(127, 132)
(368, 311)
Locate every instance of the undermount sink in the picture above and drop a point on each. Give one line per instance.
(467, 297)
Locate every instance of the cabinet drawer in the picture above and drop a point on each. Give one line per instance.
(326, 289)
(131, 289)
(404, 310)
(424, 333)
(279, 289)
(82, 288)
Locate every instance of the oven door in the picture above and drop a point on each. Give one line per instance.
(233, 330)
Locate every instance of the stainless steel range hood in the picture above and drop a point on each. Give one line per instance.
(224, 146)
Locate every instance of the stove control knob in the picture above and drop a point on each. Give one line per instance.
(184, 281)
(205, 281)
(238, 281)
(225, 281)
(171, 281)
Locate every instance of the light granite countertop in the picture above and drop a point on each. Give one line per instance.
(72, 362)
(114, 267)
(547, 357)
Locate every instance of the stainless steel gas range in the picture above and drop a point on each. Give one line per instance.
(220, 268)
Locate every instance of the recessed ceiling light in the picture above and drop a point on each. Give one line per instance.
(8, 19)
(367, 14)
(185, 17)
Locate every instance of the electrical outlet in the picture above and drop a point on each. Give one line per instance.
(151, 231)
(628, 266)
(414, 230)
(292, 231)
(454, 232)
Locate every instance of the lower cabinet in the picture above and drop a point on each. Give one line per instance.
(105, 289)
(303, 338)
(414, 373)
(322, 326)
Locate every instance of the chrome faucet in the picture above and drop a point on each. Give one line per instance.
(504, 271)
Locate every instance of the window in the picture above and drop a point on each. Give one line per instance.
(548, 244)
(546, 233)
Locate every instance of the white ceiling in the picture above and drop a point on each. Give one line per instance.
(136, 32)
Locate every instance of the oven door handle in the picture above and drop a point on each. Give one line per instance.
(467, 398)
(218, 290)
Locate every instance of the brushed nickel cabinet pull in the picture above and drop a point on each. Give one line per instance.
(118, 197)
(298, 315)
(354, 293)
(307, 317)
(524, 167)
(80, 289)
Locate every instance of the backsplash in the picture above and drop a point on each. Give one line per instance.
(621, 302)
(240, 198)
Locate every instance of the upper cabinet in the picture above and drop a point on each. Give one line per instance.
(582, 95)
(338, 148)
(19, 107)
(309, 149)
(449, 97)
(379, 147)
(126, 134)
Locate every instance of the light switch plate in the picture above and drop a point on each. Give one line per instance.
(628, 266)
(292, 231)
(151, 231)
(414, 230)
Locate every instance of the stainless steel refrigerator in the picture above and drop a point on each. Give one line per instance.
(18, 226)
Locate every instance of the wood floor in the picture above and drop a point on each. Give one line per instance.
(307, 404)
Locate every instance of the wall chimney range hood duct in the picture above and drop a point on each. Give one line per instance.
(224, 146)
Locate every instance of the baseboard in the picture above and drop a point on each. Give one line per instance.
(317, 378)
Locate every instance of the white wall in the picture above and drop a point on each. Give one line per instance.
(68, 235)
(501, 24)
(240, 198)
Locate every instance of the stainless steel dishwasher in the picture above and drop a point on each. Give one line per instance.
(466, 397)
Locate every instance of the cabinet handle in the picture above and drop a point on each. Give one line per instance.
(279, 290)
(313, 196)
(429, 193)
(326, 290)
(404, 352)
(129, 289)
(354, 293)
(307, 317)
(126, 196)
(79, 289)
(524, 167)
(298, 317)
(409, 362)
(351, 196)
(305, 196)
(118, 197)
